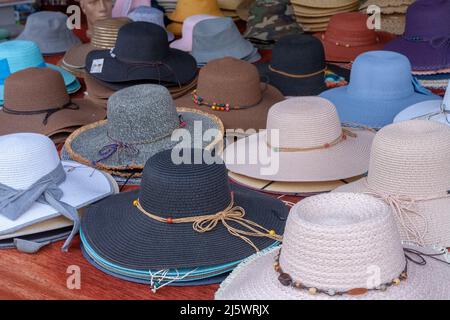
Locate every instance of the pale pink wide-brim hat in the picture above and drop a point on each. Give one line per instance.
(410, 168)
(333, 242)
(185, 43)
(312, 146)
(123, 7)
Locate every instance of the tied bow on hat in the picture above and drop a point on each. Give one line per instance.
(14, 203)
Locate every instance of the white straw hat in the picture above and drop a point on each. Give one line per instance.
(436, 110)
(28, 157)
(338, 246)
(410, 170)
(312, 145)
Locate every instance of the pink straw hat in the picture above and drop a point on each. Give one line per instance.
(123, 7)
(410, 170)
(339, 246)
(185, 43)
(312, 146)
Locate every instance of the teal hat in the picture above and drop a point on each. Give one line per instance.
(17, 55)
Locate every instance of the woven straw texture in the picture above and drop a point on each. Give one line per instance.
(330, 242)
(412, 159)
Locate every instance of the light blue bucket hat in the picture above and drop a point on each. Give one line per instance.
(17, 55)
(219, 38)
(152, 15)
(381, 85)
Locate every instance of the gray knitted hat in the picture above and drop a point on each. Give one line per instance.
(141, 121)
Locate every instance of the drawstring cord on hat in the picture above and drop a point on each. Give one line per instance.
(442, 111)
(129, 148)
(161, 277)
(135, 65)
(297, 76)
(231, 213)
(404, 208)
(69, 105)
(14, 202)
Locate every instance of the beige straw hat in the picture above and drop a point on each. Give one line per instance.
(410, 170)
(312, 145)
(339, 246)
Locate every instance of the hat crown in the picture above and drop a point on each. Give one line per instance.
(48, 25)
(304, 122)
(147, 14)
(222, 32)
(270, 7)
(20, 54)
(351, 29)
(45, 86)
(298, 54)
(230, 80)
(187, 8)
(104, 34)
(141, 42)
(141, 113)
(183, 190)
(411, 158)
(342, 241)
(30, 156)
(428, 19)
(381, 75)
(192, 21)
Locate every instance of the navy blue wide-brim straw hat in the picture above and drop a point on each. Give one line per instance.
(121, 233)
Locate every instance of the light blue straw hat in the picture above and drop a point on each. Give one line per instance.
(152, 15)
(17, 55)
(381, 85)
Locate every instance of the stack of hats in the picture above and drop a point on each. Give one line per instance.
(314, 15)
(392, 13)
(426, 42)
(141, 55)
(17, 55)
(305, 149)
(218, 38)
(168, 5)
(140, 122)
(163, 233)
(268, 21)
(41, 194)
(229, 8)
(49, 30)
(187, 8)
(103, 36)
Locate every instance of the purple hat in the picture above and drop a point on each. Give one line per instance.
(426, 41)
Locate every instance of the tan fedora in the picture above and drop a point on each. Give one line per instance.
(104, 36)
(410, 170)
(36, 101)
(304, 142)
(232, 84)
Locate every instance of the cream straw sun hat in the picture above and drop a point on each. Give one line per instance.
(339, 246)
(410, 170)
(312, 145)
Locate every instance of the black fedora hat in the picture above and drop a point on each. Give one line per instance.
(142, 52)
(142, 230)
(298, 66)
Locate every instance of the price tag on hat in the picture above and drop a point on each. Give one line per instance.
(97, 66)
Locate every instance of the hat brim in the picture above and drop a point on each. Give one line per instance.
(375, 113)
(42, 237)
(435, 211)
(176, 28)
(202, 282)
(301, 189)
(310, 86)
(118, 232)
(256, 279)
(85, 143)
(422, 55)
(75, 57)
(334, 53)
(87, 113)
(238, 50)
(421, 109)
(179, 16)
(82, 187)
(50, 47)
(349, 158)
(250, 118)
(180, 62)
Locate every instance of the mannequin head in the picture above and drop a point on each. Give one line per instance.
(96, 10)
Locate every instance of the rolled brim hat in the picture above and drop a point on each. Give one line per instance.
(177, 67)
(84, 144)
(119, 232)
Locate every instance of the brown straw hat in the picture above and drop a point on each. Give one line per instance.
(234, 84)
(104, 36)
(36, 101)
